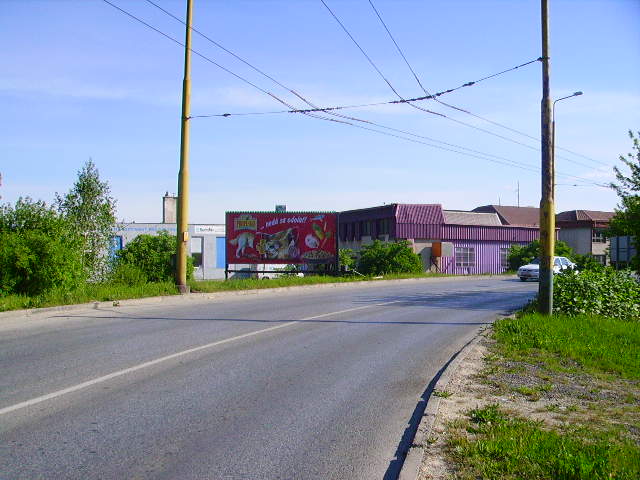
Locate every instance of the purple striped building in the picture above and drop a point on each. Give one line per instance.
(470, 242)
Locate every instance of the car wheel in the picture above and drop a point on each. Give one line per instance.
(523, 279)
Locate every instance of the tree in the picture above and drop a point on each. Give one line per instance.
(39, 250)
(347, 258)
(153, 255)
(91, 211)
(381, 258)
(523, 254)
(626, 221)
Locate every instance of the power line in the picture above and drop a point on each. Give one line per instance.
(474, 154)
(464, 110)
(204, 57)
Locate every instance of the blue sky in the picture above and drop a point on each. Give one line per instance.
(81, 80)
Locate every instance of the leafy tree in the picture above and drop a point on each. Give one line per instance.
(38, 250)
(153, 255)
(627, 218)
(381, 258)
(90, 209)
(523, 254)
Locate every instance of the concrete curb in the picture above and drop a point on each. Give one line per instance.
(194, 297)
(413, 460)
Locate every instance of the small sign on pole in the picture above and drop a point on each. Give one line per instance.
(281, 208)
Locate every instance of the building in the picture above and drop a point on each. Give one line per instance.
(448, 241)
(510, 215)
(584, 231)
(206, 241)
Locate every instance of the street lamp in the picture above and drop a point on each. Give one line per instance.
(545, 288)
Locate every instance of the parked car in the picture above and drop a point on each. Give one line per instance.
(531, 271)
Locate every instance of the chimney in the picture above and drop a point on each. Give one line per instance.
(169, 205)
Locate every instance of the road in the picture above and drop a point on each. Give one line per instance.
(311, 384)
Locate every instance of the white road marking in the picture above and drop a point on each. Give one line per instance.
(150, 363)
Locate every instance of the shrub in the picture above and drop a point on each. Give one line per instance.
(38, 250)
(587, 262)
(128, 274)
(381, 258)
(153, 255)
(347, 258)
(608, 293)
(33, 262)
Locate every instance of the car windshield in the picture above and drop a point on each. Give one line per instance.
(535, 261)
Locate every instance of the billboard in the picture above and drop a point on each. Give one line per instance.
(281, 237)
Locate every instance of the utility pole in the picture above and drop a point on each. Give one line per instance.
(182, 230)
(547, 208)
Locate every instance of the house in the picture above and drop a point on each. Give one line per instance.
(449, 241)
(584, 231)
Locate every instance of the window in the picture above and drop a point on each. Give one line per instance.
(557, 262)
(465, 257)
(196, 251)
(597, 236)
(564, 261)
(504, 257)
(365, 228)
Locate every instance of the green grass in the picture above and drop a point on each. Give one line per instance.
(112, 292)
(497, 446)
(596, 344)
(86, 294)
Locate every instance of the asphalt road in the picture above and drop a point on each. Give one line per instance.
(314, 384)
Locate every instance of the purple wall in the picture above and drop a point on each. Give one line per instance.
(487, 257)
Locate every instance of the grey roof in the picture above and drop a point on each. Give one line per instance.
(455, 217)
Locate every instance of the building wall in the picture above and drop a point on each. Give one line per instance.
(210, 237)
(487, 257)
(577, 238)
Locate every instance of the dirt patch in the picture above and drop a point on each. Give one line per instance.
(530, 390)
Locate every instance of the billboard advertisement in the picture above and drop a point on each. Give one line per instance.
(281, 237)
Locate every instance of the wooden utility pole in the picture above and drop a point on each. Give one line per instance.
(182, 230)
(547, 207)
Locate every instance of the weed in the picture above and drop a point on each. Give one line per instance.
(442, 393)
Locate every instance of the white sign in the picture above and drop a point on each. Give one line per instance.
(208, 229)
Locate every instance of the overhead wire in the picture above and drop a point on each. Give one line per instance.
(204, 57)
(474, 153)
(465, 110)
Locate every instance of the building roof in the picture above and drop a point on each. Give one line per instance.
(456, 217)
(511, 215)
(590, 216)
(419, 213)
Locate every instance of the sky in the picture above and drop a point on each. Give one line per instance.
(81, 80)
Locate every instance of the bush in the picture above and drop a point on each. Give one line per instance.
(608, 293)
(38, 250)
(347, 258)
(587, 262)
(153, 255)
(128, 274)
(381, 258)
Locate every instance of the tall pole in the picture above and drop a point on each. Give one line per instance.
(182, 230)
(547, 208)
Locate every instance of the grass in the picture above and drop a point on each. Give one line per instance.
(595, 344)
(498, 446)
(86, 294)
(113, 292)
(590, 436)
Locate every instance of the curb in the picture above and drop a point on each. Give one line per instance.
(412, 462)
(191, 297)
